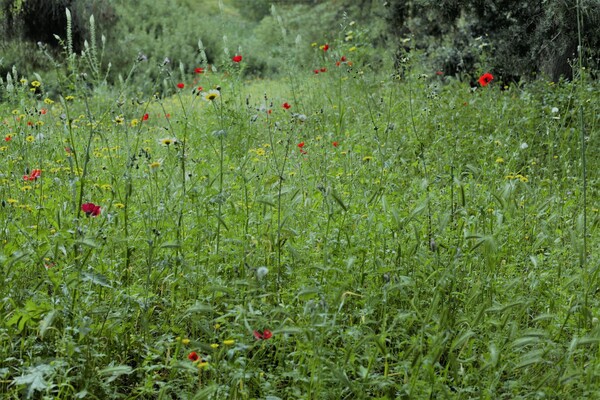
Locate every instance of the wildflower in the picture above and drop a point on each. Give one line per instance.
(202, 364)
(145, 117)
(316, 71)
(119, 120)
(286, 105)
(353, 48)
(48, 101)
(119, 205)
(335, 144)
(36, 84)
(90, 209)
(211, 95)
(236, 58)
(485, 79)
(23, 81)
(323, 69)
(343, 59)
(12, 201)
(106, 186)
(180, 85)
(135, 122)
(199, 70)
(499, 160)
(185, 341)
(193, 356)
(367, 158)
(228, 342)
(70, 98)
(30, 139)
(301, 145)
(324, 47)
(8, 137)
(168, 141)
(155, 164)
(33, 175)
(214, 346)
(265, 335)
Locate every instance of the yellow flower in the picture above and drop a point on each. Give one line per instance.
(217, 326)
(214, 345)
(353, 48)
(228, 342)
(155, 164)
(36, 84)
(48, 101)
(367, 158)
(30, 138)
(119, 120)
(185, 341)
(134, 122)
(12, 201)
(202, 364)
(70, 98)
(119, 205)
(23, 81)
(313, 44)
(3, 148)
(106, 186)
(499, 160)
(25, 188)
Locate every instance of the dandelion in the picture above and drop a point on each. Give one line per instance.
(265, 335)
(485, 79)
(236, 58)
(90, 209)
(211, 95)
(286, 105)
(193, 356)
(180, 85)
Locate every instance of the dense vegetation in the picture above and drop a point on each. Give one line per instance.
(362, 226)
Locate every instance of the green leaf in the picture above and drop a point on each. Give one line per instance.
(96, 279)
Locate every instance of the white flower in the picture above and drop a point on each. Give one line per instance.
(554, 110)
(524, 146)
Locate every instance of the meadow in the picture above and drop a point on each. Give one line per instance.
(338, 233)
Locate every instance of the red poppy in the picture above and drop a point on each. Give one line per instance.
(265, 335)
(316, 71)
(7, 138)
(286, 105)
(439, 73)
(199, 70)
(485, 79)
(343, 59)
(180, 85)
(323, 69)
(193, 356)
(145, 117)
(200, 88)
(43, 111)
(325, 47)
(90, 209)
(33, 175)
(335, 144)
(237, 59)
(301, 144)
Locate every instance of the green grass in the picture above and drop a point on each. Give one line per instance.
(435, 251)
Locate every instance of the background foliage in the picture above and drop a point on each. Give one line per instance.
(518, 39)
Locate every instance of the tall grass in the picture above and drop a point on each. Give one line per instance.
(399, 237)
